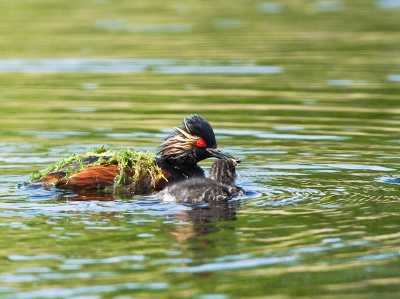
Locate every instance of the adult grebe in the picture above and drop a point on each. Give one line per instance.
(191, 142)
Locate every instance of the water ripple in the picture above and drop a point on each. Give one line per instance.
(68, 292)
(110, 260)
(220, 266)
(162, 66)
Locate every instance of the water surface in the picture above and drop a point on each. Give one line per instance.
(319, 210)
(306, 93)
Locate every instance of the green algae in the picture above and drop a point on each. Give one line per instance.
(141, 166)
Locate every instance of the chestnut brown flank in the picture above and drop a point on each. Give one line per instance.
(96, 177)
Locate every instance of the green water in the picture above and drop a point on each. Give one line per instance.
(318, 138)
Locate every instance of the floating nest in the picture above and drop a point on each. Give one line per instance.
(121, 171)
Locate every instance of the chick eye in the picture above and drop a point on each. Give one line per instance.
(201, 143)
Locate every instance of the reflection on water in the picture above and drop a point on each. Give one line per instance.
(76, 292)
(270, 7)
(328, 6)
(83, 109)
(90, 85)
(271, 135)
(394, 78)
(46, 135)
(344, 82)
(121, 25)
(385, 179)
(246, 263)
(388, 4)
(218, 70)
(163, 66)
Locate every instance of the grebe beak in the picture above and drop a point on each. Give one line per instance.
(217, 153)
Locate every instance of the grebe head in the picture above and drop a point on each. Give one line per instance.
(223, 171)
(191, 142)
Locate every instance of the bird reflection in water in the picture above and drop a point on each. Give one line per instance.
(202, 220)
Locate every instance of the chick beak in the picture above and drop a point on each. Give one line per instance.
(217, 153)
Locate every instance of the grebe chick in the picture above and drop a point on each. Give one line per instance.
(220, 187)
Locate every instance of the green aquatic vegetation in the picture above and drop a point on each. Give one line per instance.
(144, 168)
(138, 170)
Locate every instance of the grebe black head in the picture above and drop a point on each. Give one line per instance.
(223, 171)
(219, 188)
(191, 142)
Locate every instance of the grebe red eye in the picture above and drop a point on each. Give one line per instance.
(201, 143)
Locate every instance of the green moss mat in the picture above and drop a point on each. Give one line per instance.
(142, 164)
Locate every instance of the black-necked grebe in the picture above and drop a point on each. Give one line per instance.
(219, 188)
(191, 142)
